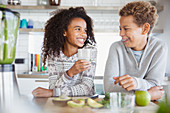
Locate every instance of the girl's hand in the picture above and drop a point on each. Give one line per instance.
(127, 82)
(79, 66)
(42, 92)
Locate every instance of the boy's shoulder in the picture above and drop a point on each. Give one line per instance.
(117, 44)
(157, 42)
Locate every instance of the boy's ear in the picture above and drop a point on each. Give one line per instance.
(146, 28)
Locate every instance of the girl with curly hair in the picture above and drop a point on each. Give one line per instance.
(138, 61)
(68, 30)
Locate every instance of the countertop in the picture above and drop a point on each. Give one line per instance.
(45, 105)
(41, 75)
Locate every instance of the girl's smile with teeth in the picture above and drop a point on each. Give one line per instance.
(81, 40)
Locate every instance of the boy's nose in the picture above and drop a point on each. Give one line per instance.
(122, 33)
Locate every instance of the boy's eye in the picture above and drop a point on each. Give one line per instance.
(125, 29)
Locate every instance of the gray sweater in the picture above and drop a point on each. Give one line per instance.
(148, 72)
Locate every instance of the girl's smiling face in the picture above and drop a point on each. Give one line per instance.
(132, 35)
(76, 33)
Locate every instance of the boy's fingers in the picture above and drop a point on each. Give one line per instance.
(116, 81)
(115, 78)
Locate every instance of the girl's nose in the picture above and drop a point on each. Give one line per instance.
(83, 33)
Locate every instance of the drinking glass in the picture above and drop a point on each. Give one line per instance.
(122, 102)
(84, 54)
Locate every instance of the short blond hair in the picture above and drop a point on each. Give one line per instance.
(143, 12)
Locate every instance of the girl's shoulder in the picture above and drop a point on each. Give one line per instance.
(62, 58)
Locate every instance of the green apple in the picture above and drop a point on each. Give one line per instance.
(76, 103)
(92, 103)
(142, 98)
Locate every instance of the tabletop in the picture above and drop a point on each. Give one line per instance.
(45, 105)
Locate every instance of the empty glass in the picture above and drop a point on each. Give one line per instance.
(122, 102)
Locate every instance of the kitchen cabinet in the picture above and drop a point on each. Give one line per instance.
(43, 7)
(27, 85)
(19, 7)
(29, 81)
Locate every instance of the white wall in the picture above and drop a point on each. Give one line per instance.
(164, 22)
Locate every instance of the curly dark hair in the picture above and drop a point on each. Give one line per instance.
(54, 39)
(143, 12)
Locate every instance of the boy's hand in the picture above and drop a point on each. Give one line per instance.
(127, 82)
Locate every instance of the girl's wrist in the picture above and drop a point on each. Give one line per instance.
(69, 74)
(51, 92)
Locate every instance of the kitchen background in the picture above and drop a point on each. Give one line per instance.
(106, 24)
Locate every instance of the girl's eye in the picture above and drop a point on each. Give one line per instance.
(125, 29)
(77, 29)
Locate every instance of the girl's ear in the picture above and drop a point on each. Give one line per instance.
(65, 33)
(146, 28)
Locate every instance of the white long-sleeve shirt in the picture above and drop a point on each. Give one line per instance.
(149, 71)
(80, 85)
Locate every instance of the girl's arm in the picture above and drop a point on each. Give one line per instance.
(79, 84)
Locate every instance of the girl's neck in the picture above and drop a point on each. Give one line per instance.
(69, 51)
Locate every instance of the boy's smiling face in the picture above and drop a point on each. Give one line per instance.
(132, 35)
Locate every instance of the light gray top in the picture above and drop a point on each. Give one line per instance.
(137, 54)
(148, 72)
